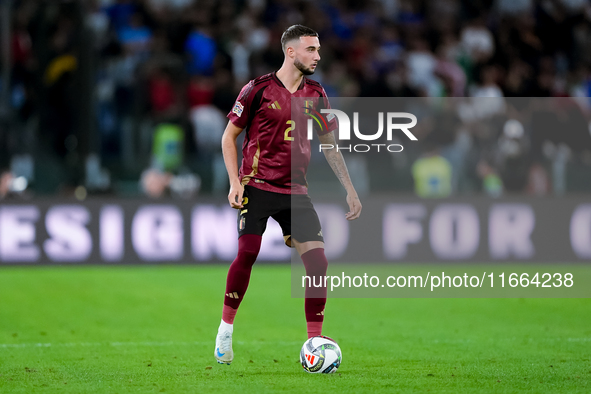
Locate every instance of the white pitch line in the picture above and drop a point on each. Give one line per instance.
(121, 344)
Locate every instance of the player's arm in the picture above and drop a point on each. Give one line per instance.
(337, 163)
(231, 160)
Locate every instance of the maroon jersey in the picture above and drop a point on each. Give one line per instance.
(276, 150)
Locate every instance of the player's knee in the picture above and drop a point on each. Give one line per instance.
(319, 269)
(322, 264)
(318, 265)
(249, 246)
(249, 254)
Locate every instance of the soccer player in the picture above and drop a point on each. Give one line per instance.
(272, 178)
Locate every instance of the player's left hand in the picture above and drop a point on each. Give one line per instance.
(354, 207)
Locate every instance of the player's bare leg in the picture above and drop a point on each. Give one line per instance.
(236, 285)
(312, 254)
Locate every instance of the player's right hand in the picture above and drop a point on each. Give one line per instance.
(235, 196)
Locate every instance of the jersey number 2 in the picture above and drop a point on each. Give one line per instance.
(290, 128)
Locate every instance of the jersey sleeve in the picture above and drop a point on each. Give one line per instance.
(331, 119)
(239, 113)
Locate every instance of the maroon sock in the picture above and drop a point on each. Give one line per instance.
(316, 266)
(239, 274)
(228, 314)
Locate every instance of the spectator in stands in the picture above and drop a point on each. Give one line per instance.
(201, 51)
(432, 173)
(168, 172)
(5, 181)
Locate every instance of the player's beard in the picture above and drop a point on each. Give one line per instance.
(303, 69)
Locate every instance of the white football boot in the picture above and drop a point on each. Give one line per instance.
(223, 345)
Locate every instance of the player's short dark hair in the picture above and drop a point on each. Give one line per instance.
(295, 32)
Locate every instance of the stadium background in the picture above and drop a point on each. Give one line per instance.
(101, 91)
(112, 106)
(112, 110)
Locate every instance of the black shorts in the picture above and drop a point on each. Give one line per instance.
(294, 213)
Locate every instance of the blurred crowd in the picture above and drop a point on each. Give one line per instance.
(109, 92)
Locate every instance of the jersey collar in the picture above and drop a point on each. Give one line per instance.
(278, 81)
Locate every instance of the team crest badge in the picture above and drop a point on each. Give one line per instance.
(242, 223)
(238, 108)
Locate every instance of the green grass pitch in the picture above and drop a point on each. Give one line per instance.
(151, 329)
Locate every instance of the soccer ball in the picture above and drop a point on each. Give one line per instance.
(320, 355)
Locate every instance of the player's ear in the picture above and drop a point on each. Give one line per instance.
(290, 51)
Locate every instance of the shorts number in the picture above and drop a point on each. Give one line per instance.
(290, 128)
